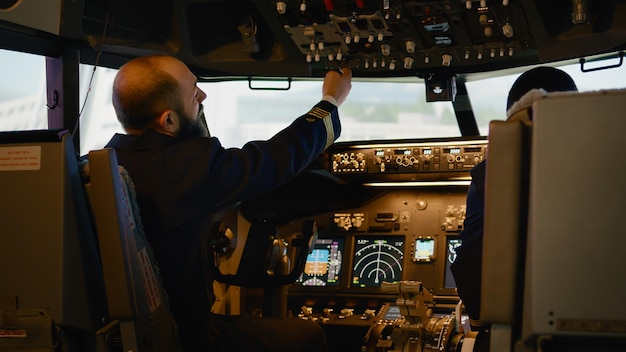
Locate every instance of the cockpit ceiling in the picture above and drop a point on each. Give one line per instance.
(376, 38)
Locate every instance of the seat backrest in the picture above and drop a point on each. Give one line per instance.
(553, 245)
(49, 262)
(135, 294)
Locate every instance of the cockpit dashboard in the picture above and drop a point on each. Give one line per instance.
(386, 212)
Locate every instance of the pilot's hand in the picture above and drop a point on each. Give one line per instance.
(338, 84)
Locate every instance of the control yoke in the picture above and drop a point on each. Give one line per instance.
(267, 259)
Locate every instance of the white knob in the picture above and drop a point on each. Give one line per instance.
(381, 36)
(468, 4)
(507, 30)
(385, 49)
(408, 62)
(312, 46)
(339, 55)
(317, 56)
(410, 46)
(483, 19)
(370, 38)
(348, 39)
(488, 32)
(281, 7)
(303, 6)
(357, 38)
(392, 65)
(483, 3)
(446, 59)
(331, 57)
(320, 45)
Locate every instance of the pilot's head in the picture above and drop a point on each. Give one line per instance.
(157, 93)
(549, 79)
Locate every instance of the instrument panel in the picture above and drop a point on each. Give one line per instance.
(403, 234)
(409, 161)
(387, 213)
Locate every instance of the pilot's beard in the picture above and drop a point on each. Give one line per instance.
(197, 128)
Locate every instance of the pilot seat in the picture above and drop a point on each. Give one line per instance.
(553, 263)
(76, 271)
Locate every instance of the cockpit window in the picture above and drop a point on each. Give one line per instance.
(375, 110)
(22, 91)
(488, 96)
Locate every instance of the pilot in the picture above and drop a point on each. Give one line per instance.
(182, 177)
(466, 269)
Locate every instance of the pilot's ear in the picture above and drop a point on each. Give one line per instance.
(168, 122)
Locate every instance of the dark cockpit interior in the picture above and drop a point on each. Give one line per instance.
(387, 212)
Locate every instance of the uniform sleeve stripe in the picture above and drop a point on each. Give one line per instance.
(325, 116)
(330, 132)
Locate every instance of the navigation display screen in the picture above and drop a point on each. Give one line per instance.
(377, 259)
(323, 265)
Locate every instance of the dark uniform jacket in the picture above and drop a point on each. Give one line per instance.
(181, 183)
